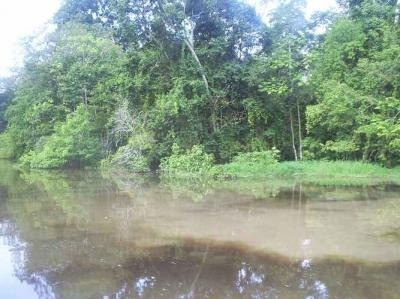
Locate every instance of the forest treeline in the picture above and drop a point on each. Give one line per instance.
(131, 82)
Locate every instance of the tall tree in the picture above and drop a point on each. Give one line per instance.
(356, 83)
(78, 67)
(280, 75)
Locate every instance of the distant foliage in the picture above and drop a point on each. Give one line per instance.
(72, 144)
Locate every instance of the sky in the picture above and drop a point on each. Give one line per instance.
(21, 18)
(263, 6)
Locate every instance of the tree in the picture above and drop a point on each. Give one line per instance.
(209, 73)
(356, 82)
(79, 66)
(280, 77)
(72, 144)
(7, 86)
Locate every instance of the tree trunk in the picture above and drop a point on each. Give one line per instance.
(205, 81)
(292, 131)
(85, 98)
(196, 58)
(300, 133)
(188, 40)
(290, 110)
(396, 18)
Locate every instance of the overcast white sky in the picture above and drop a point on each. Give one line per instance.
(19, 18)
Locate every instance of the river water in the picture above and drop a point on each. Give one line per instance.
(87, 234)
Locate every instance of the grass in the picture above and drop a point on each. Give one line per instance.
(328, 173)
(197, 164)
(263, 180)
(333, 169)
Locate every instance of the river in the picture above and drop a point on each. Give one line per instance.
(92, 234)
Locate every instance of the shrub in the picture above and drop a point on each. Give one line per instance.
(249, 164)
(135, 156)
(194, 161)
(7, 148)
(72, 143)
(130, 137)
(264, 157)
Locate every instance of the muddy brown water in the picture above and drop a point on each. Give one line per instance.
(87, 234)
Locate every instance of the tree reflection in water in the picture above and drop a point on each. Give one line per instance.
(80, 235)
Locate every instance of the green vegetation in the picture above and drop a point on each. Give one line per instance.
(318, 171)
(71, 143)
(205, 86)
(249, 164)
(195, 163)
(192, 162)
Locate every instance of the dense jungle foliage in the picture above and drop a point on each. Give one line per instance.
(129, 83)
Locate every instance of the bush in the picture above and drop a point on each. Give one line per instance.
(194, 161)
(7, 148)
(135, 156)
(72, 143)
(249, 164)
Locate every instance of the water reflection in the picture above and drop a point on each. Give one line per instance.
(174, 272)
(85, 235)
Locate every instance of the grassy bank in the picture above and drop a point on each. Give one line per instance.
(318, 169)
(196, 163)
(328, 173)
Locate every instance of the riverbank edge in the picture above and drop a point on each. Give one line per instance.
(344, 172)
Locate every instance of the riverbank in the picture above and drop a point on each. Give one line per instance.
(333, 169)
(196, 163)
(328, 173)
